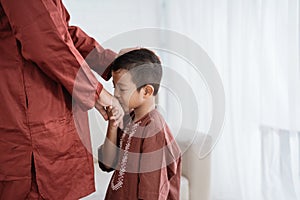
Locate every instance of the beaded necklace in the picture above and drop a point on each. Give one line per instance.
(130, 130)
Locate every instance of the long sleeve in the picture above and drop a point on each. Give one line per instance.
(95, 55)
(39, 27)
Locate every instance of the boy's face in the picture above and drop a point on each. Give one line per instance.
(126, 91)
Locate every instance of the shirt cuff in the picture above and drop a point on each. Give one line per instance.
(98, 91)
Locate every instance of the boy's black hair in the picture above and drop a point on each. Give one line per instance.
(143, 65)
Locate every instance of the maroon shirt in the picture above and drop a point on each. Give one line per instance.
(153, 166)
(41, 56)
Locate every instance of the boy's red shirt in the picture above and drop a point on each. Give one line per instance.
(153, 167)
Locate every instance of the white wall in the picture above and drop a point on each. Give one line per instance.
(104, 19)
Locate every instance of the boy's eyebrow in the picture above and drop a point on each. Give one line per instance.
(119, 83)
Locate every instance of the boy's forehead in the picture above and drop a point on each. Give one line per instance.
(119, 71)
(121, 76)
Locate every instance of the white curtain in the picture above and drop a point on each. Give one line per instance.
(255, 46)
(280, 163)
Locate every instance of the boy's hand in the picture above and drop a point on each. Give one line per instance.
(105, 100)
(114, 114)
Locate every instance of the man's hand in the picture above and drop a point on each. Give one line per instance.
(107, 100)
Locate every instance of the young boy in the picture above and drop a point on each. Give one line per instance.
(144, 155)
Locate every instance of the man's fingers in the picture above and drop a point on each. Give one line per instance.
(102, 112)
(115, 111)
(116, 117)
(116, 114)
(109, 109)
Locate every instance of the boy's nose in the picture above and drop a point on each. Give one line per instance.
(116, 94)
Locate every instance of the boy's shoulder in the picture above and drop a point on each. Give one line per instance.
(154, 123)
(155, 127)
(159, 139)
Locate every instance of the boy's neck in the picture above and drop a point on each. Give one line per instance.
(143, 109)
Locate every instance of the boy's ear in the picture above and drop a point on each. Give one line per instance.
(148, 90)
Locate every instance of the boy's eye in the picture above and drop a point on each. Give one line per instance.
(119, 88)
